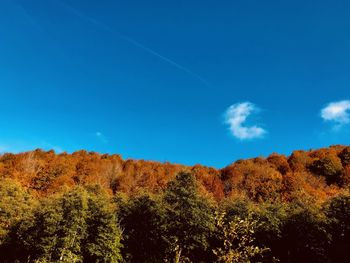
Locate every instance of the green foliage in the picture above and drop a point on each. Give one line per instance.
(15, 204)
(237, 240)
(189, 220)
(304, 236)
(103, 240)
(72, 227)
(77, 226)
(268, 233)
(338, 214)
(296, 207)
(236, 208)
(142, 219)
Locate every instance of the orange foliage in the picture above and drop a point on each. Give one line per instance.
(299, 161)
(280, 162)
(260, 179)
(256, 178)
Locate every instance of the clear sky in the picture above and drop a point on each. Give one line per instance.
(184, 81)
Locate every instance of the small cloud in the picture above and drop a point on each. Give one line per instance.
(337, 112)
(3, 149)
(101, 137)
(236, 116)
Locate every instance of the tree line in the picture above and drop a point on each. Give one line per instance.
(87, 207)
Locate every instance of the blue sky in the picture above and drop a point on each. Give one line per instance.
(189, 82)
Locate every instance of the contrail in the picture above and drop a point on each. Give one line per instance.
(133, 42)
(36, 24)
(28, 16)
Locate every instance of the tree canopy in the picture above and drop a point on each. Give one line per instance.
(89, 207)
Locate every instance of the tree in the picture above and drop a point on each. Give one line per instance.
(270, 220)
(189, 220)
(338, 214)
(237, 240)
(15, 205)
(256, 179)
(37, 236)
(142, 219)
(304, 236)
(299, 161)
(345, 156)
(330, 167)
(103, 240)
(235, 208)
(280, 162)
(76, 226)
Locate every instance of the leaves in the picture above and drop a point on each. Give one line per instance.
(237, 240)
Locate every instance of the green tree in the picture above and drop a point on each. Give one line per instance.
(237, 240)
(304, 236)
(77, 226)
(338, 215)
(103, 240)
(72, 227)
(237, 207)
(189, 220)
(142, 219)
(268, 232)
(15, 205)
(37, 236)
(55, 230)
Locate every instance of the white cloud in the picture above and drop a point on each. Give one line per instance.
(236, 116)
(337, 112)
(101, 137)
(3, 149)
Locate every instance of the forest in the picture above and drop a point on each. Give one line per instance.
(91, 207)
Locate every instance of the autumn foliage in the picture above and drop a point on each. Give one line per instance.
(291, 208)
(318, 174)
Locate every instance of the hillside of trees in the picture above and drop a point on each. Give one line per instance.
(90, 207)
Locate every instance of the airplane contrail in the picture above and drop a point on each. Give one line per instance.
(133, 42)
